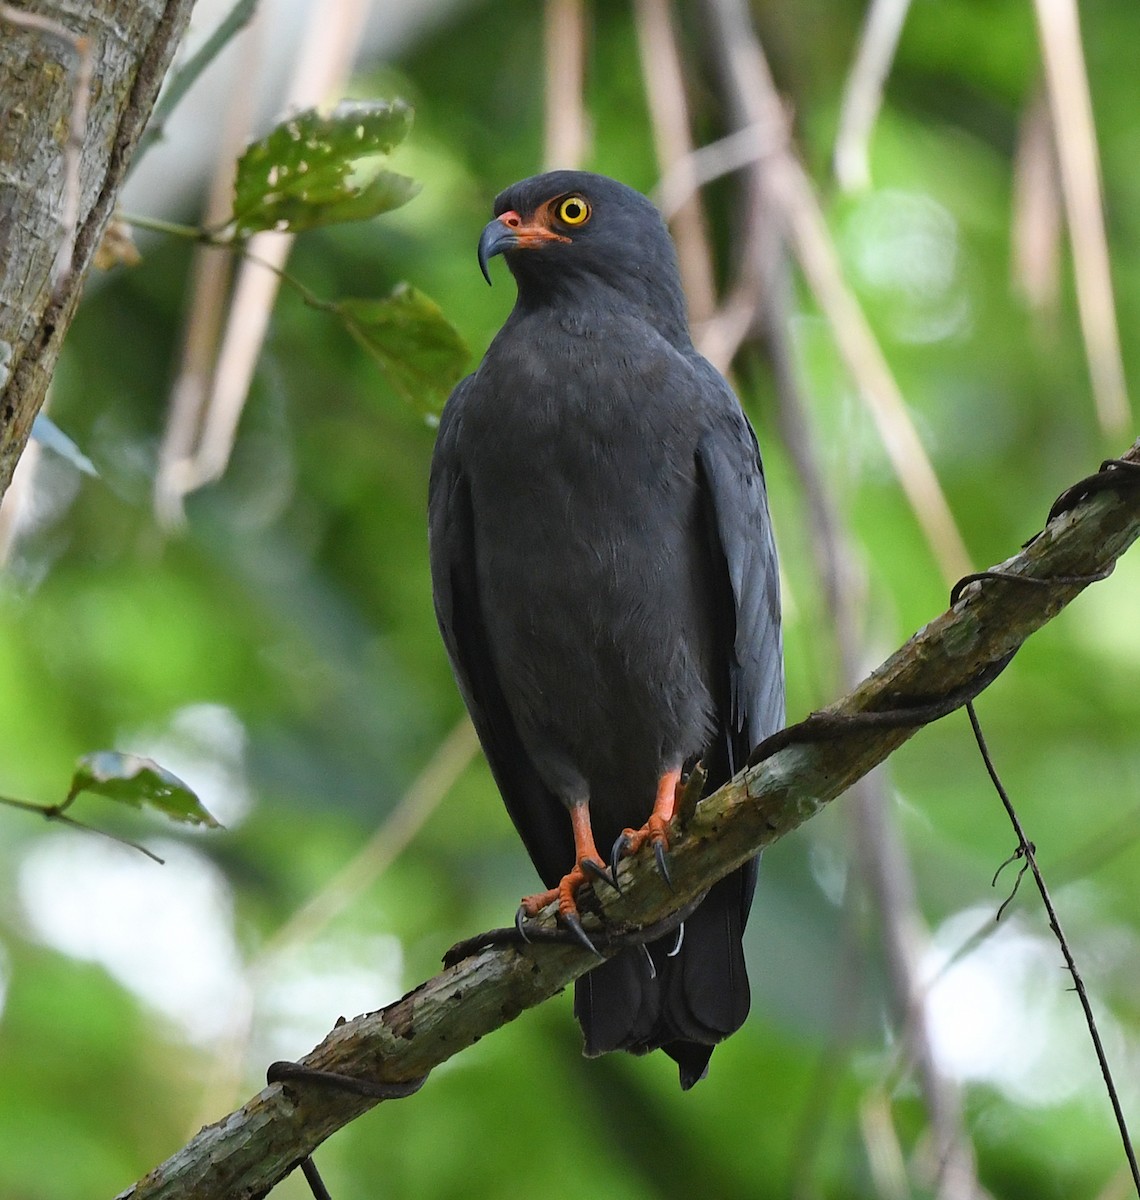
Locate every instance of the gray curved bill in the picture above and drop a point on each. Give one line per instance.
(495, 238)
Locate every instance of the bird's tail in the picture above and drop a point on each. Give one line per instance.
(683, 1003)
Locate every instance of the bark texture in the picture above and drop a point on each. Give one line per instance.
(246, 1153)
(130, 44)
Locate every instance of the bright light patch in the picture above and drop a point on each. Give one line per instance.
(164, 932)
(1108, 624)
(301, 994)
(829, 870)
(905, 247)
(1003, 1013)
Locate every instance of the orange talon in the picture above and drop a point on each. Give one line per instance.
(656, 829)
(587, 859)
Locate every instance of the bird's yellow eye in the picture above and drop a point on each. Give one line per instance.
(573, 211)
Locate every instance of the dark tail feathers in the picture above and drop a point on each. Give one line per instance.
(696, 998)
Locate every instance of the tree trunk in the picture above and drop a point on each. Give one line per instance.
(64, 152)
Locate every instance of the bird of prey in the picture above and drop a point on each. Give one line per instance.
(605, 581)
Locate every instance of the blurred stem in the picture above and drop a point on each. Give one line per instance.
(880, 852)
(663, 73)
(753, 102)
(863, 91)
(54, 812)
(183, 79)
(1074, 126)
(191, 233)
(195, 233)
(567, 127)
(211, 278)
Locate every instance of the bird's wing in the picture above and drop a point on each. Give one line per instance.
(747, 587)
(732, 477)
(537, 814)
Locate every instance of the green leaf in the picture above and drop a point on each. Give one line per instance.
(418, 349)
(137, 781)
(308, 171)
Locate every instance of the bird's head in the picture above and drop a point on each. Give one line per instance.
(575, 237)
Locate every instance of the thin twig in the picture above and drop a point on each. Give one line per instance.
(1066, 79)
(328, 48)
(1025, 848)
(863, 92)
(664, 78)
(54, 812)
(881, 856)
(211, 276)
(1035, 261)
(885, 1160)
(742, 148)
(891, 884)
(827, 1079)
(755, 101)
(427, 791)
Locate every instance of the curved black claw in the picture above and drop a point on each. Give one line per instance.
(574, 924)
(596, 871)
(617, 854)
(662, 865)
(520, 919)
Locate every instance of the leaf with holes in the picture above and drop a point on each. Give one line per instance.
(418, 349)
(139, 782)
(314, 170)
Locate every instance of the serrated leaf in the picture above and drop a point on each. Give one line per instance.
(418, 349)
(308, 172)
(137, 781)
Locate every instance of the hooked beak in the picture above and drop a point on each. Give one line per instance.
(496, 237)
(508, 232)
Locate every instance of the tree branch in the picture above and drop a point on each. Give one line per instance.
(246, 1153)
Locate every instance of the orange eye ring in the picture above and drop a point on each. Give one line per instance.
(573, 211)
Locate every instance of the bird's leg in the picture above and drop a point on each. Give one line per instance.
(588, 864)
(655, 831)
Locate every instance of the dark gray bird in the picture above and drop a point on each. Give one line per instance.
(605, 581)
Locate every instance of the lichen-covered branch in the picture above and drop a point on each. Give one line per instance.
(247, 1152)
(45, 203)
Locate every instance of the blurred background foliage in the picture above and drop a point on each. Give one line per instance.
(277, 650)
